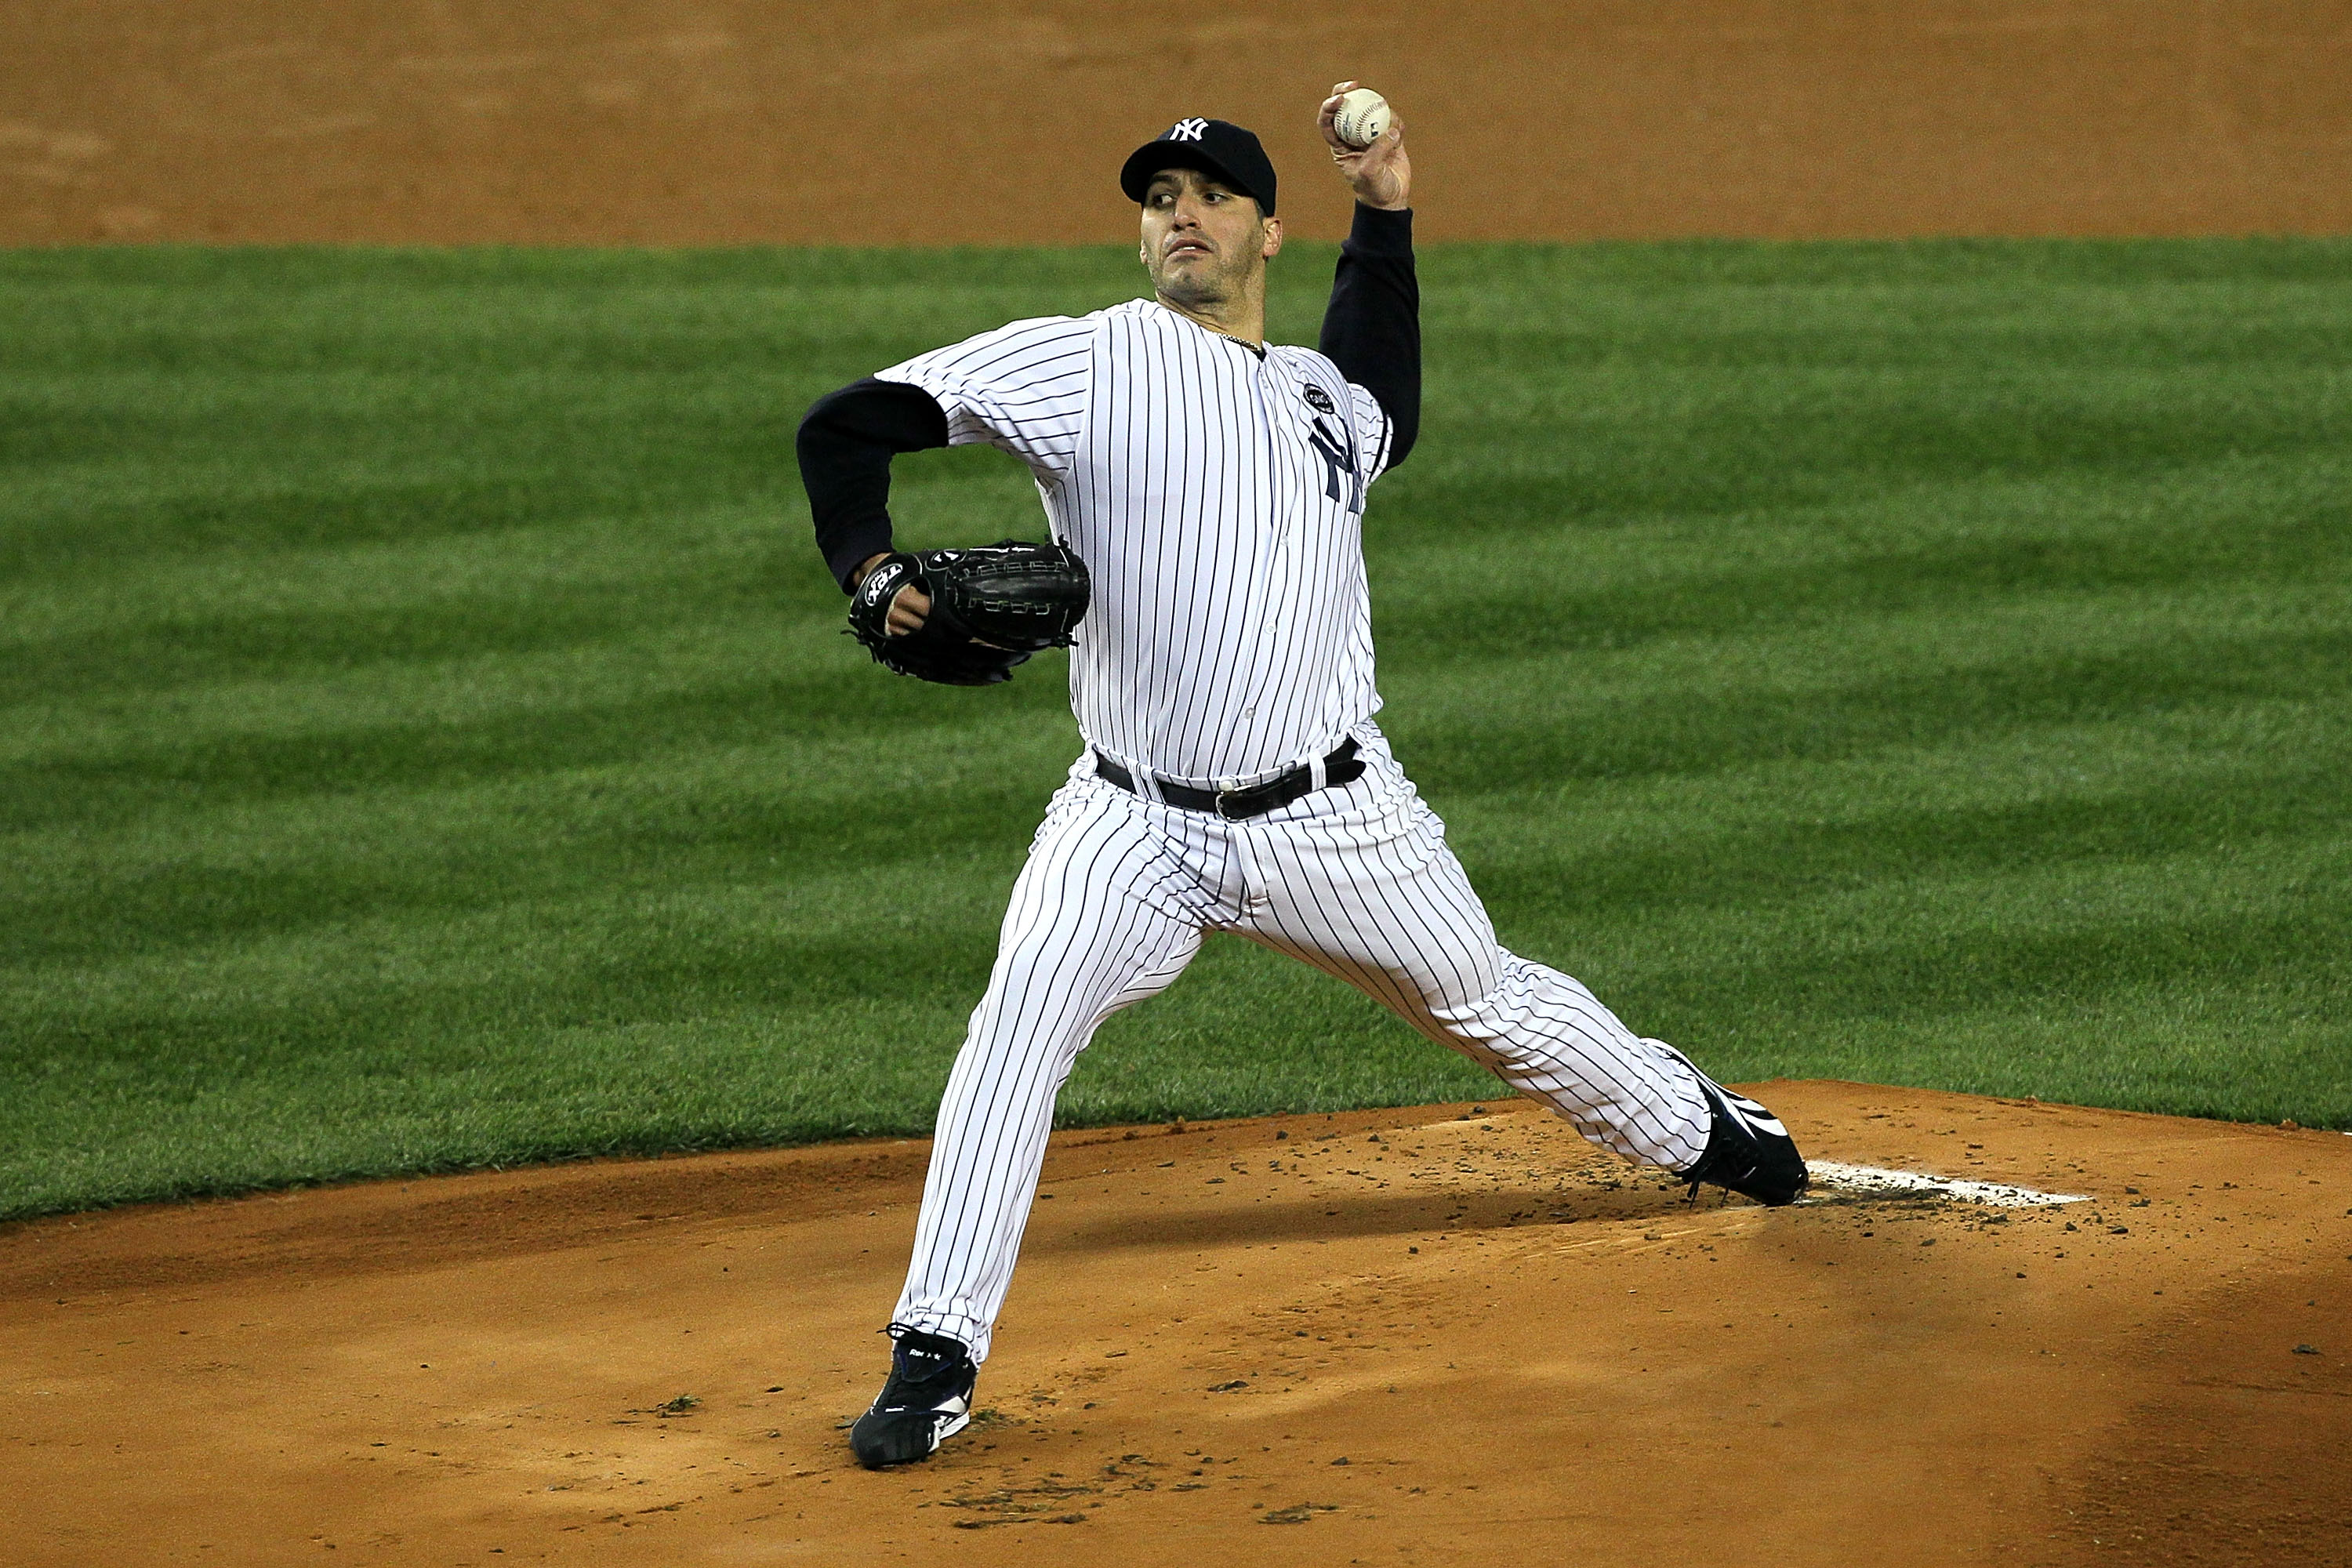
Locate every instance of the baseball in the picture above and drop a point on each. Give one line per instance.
(1362, 118)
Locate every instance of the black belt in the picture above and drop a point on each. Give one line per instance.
(1342, 766)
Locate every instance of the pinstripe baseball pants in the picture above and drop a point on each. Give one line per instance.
(1357, 882)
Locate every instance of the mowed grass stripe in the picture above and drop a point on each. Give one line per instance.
(1777, 848)
(1790, 705)
(424, 740)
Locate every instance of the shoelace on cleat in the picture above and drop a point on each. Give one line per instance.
(919, 1376)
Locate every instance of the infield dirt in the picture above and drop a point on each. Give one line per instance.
(1000, 121)
(1440, 1335)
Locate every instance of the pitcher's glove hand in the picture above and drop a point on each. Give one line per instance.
(991, 607)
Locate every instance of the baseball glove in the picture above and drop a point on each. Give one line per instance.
(991, 607)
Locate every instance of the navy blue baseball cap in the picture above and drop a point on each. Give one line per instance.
(1216, 147)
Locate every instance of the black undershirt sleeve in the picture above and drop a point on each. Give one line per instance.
(1372, 328)
(845, 443)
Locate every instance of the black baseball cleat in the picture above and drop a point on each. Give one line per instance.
(1748, 1149)
(927, 1400)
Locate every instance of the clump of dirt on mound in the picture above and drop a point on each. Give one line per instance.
(1428, 1335)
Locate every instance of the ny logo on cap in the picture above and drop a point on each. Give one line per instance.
(1186, 130)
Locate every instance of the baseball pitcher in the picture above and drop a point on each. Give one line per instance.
(1205, 491)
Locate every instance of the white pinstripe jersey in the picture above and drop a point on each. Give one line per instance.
(1217, 498)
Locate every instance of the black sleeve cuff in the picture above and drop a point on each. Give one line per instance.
(1376, 232)
(845, 443)
(854, 546)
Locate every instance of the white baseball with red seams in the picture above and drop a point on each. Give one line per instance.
(1363, 116)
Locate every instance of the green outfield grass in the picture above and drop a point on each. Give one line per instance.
(426, 744)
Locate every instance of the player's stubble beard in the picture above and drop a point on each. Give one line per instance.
(1202, 289)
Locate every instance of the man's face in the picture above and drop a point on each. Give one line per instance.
(1204, 240)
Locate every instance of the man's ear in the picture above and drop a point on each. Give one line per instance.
(1273, 247)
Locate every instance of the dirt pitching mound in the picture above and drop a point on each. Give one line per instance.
(1449, 1334)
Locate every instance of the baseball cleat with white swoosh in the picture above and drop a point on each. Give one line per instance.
(1748, 1149)
(927, 1400)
